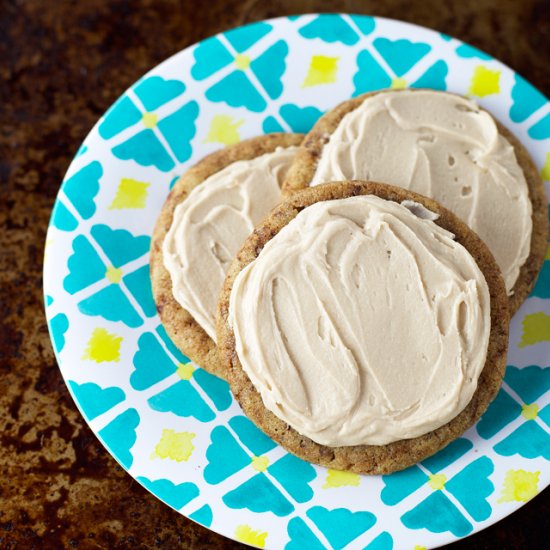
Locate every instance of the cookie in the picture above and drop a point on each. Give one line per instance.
(188, 335)
(366, 459)
(306, 161)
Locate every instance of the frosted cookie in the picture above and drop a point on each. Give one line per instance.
(446, 147)
(363, 327)
(206, 218)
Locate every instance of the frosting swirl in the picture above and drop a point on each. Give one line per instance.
(442, 146)
(362, 322)
(210, 225)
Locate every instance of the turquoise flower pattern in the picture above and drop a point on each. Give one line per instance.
(228, 455)
(401, 56)
(86, 267)
(237, 88)
(526, 99)
(176, 496)
(339, 526)
(146, 147)
(438, 512)
(297, 119)
(338, 28)
(80, 189)
(175, 427)
(95, 400)
(120, 436)
(531, 438)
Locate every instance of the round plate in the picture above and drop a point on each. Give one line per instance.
(174, 427)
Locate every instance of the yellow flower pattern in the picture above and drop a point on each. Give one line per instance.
(519, 486)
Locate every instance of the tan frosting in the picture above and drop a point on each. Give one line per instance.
(442, 146)
(210, 225)
(362, 323)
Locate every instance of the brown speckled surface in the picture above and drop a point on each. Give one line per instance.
(61, 65)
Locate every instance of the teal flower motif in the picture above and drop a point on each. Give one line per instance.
(82, 187)
(182, 399)
(475, 475)
(120, 245)
(301, 536)
(82, 149)
(94, 400)
(467, 51)
(111, 304)
(334, 28)
(210, 56)
(500, 413)
(216, 388)
(259, 495)
(528, 440)
(402, 484)
(542, 286)
(227, 456)
(401, 55)
(526, 99)
(86, 268)
(383, 541)
(62, 219)
(269, 68)
(58, 327)
(119, 436)
(541, 130)
(243, 38)
(370, 75)
(161, 331)
(146, 150)
(299, 119)
(122, 114)
(236, 89)
(224, 445)
(453, 451)
(179, 129)
(144, 147)
(176, 496)
(139, 284)
(340, 527)
(437, 513)
(154, 91)
(203, 515)
(434, 77)
(471, 487)
(529, 382)
(151, 363)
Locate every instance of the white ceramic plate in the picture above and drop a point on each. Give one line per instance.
(175, 428)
